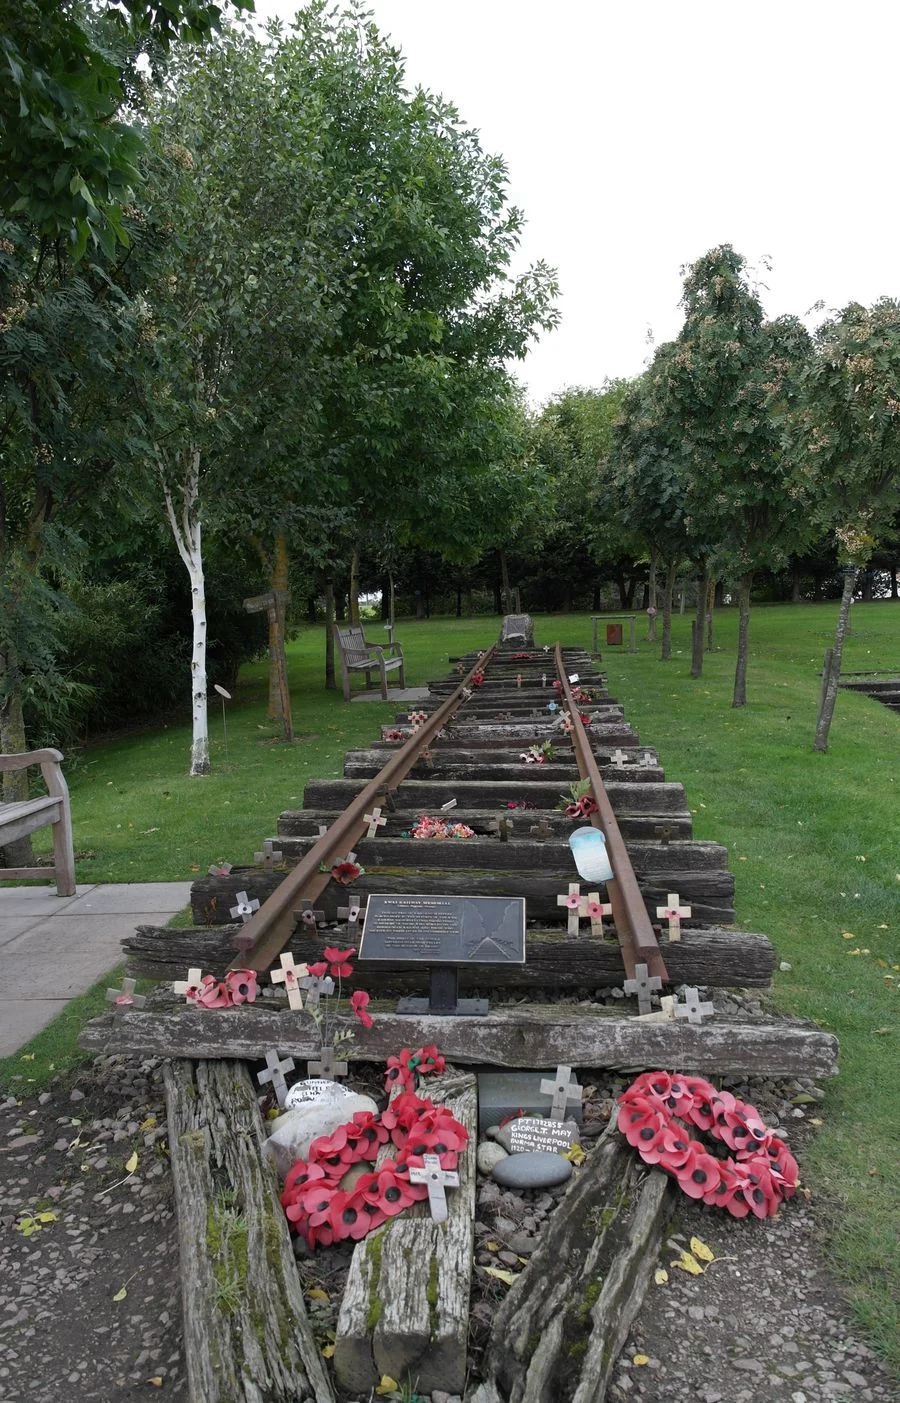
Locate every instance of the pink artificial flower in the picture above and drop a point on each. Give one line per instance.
(241, 985)
(213, 993)
(319, 969)
(338, 967)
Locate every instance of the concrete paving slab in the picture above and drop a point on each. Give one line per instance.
(31, 975)
(11, 926)
(37, 901)
(137, 899)
(62, 941)
(19, 1022)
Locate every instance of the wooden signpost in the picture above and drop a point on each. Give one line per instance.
(274, 603)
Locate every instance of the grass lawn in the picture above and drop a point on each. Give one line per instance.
(812, 841)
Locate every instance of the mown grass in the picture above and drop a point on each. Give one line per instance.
(812, 841)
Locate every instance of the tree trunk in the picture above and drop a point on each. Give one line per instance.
(498, 598)
(796, 595)
(823, 723)
(868, 586)
(671, 572)
(13, 742)
(710, 610)
(311, 608)
(504, 583)
(329, 635)
(420, 605)
(697, 649)
(651, 599)
(470, 604)
(458, 602)
(188, 538)
(893, 574)
(740, 672)
(354, 588)
(279, 694)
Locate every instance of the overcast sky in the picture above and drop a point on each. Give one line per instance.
(639, 135)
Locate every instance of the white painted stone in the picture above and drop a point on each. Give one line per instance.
(316, 1089)
(293, 1133)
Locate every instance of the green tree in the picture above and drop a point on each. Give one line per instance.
(847, 443)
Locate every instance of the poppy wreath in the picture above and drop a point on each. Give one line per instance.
(320, 1211)
(755, 1178)
(477, 678)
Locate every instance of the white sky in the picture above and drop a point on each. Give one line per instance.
(640, 134)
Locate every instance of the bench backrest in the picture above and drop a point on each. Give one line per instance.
(352, 643)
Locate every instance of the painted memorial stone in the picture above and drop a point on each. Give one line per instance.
(314, 1089)
(528, 1134)
(444, 930)
(541, 1170)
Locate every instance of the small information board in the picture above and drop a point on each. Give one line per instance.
(444, 930)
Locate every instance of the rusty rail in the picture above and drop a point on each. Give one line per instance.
(633, 927)
(273, 924)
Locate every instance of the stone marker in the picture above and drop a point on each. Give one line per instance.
(542, 1170)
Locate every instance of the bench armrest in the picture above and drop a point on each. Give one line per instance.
(50, 761)
(393, 648)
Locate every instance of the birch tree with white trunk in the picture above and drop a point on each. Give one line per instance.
(181, 494)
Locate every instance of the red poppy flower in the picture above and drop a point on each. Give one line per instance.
(392, 1191)
(241, 985)
(213, 993)
(358, 1001)
(320, 1236)
(316, 1202)
(332, 1151)
(398, 1069)
(760, 1190)
(346, 872)
(338, 967)
(319, 969)
(428, 1059)
(368, 1132)
(300, 1174)
(642, 1124)
(699, 1175)
(726, 1193)
(677, 1149)
(741, 1132)
(783, 1166)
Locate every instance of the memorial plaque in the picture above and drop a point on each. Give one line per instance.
(444, 930)
(528, 1134)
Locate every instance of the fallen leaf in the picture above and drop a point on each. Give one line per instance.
(46, 1217)
(687, 1262)
(27, 1057)
(575, 1155)
(701, 1251)
(492, 1246)
(327, 1351)
(508, 1276)
(132, 1163)
(641, 1359)
(156, 1380)
(120, 1294)
(660, 1276)
(148, 1124)
(387, 1385)
(317, 1294)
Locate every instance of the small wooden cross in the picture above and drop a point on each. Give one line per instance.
(665, 1013)
(323, 829)
(503, 826)
(289, 975)
(316, 985)
(326, 1067)
(308, 915)
(648, 758)
(542, 830)
(275, 1070)
(673, 914)
(519, 679)
(219, 869)
(644, 985)
(125, 996)
(269, 855)
(438, 1180)
(563, 1090)
(244, 908)
(189, 986)
(375, 821)
(574, 902)
(619, 759)
(692, 1009)
(351, 914)
(596, 910)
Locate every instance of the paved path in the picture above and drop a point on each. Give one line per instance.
(56, 947)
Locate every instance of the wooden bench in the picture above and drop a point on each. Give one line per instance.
(359, 656)
(19, 819)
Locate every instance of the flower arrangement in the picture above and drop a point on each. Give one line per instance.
(347, 872)
(393, 734)
(335, 965)
(238, 987)
(538, 754)
(477, 678)
(755, 1179)
(323, 1213)
(579, 802)
(428, 827)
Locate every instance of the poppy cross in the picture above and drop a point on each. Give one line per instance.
(290, 975)
(673, 914)
(375, 821)
(326, 1067)
(125, 997)
(619, 759)
(644, 985)
(244, 908)
(596, 910)
(189, 986)
(437, 1179)
(269, 855)
(562, 1089)
(576, 904)
(692, 1009)
(274, 1072)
